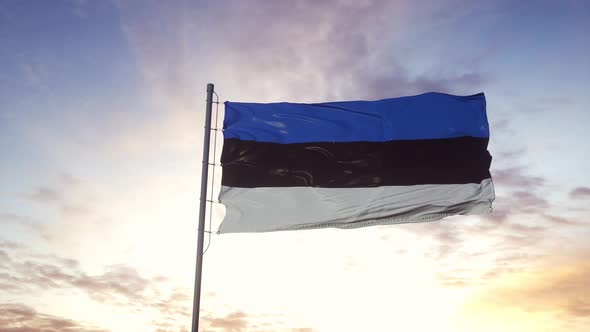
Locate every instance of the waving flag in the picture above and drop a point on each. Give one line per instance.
(289, 166)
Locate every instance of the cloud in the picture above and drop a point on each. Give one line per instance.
(561, 221)
(524, 219)
(527, 201)
(235, 321)
(517, 192)
(503, 125)
(45, 195)
(81, 215)
(23, 221)
(9, 244)
(400, 83)
(520, 221)
(448, 241)
(24, 272)
(559, 289)
(56, 193)
(76, 223)
(580, 193)
(511, 155)
(524, 196)
(239, 321)
(118, 282)
(16, 317)
(73, 200)
(336, 49)
(4, 257)
(458, 264)
(232, 322)
(515, 177)
(28, 272)
(120, 286)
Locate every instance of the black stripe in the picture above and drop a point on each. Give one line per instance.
(250, 164)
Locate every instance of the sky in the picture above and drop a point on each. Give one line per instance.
(101, 137)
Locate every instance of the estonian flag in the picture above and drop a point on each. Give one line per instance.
(290, 166)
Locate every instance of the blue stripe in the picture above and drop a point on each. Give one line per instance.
(426, 116)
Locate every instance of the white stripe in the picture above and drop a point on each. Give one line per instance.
(291, 208)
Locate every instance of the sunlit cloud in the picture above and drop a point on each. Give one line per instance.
(22, 318)
(549, 297)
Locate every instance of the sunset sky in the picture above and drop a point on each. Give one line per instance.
(101, 128)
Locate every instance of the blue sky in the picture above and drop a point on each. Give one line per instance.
(101, 119)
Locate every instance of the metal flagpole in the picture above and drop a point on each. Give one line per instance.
(202, 206)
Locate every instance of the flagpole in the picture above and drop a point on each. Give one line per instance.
(202, 206)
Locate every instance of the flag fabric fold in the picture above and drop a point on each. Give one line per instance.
(289, 166)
